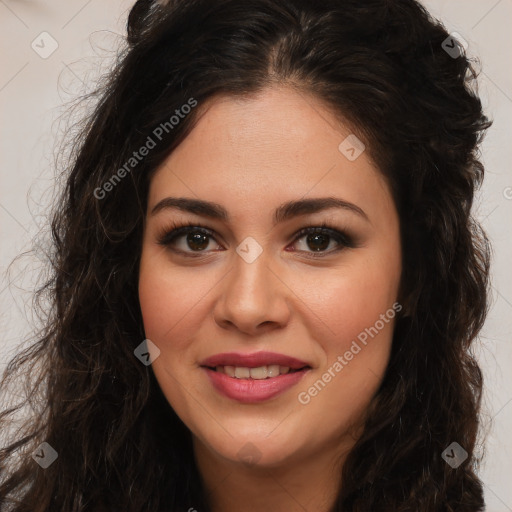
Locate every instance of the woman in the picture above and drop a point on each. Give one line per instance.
(266, 277)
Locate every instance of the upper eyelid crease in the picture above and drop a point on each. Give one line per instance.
(284, 212)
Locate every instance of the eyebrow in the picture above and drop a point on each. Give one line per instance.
(282, 213)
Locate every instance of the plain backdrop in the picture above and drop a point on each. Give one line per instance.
(53, 50)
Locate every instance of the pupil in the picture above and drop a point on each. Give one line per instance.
(314, 239)
(197, 241)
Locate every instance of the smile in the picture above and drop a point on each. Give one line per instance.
(259, 373)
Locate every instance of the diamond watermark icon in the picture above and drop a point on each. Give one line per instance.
(352, 147)
(249, 454)
(146, 352)
(249, 249)
(44, 45)
(45, 455)
(454, 455)
(454, 45)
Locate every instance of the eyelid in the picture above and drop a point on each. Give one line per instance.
(325, 229)
(169, 233)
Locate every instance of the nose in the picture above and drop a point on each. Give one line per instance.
(252, 298)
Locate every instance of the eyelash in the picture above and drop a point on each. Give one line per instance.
(175, 230)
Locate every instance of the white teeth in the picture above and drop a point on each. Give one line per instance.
(241, 372)
(273, 370)
(259, 373)
(229, 370)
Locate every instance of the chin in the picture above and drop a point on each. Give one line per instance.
(255, 448)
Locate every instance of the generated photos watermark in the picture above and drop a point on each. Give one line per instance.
(151, 142)
(356, 346)
(45, 455)
(454, 455)
(147, 352)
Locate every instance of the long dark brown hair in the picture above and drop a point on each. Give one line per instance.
(406, 88)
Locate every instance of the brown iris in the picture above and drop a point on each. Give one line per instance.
(198, 241)
(318, 241)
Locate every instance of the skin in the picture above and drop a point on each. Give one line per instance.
(251, 155)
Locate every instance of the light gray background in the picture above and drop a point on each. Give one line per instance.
(33, 91)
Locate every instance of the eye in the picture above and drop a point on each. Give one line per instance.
(319, 238)
(195, 239)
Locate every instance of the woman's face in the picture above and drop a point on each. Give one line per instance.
(257, 171)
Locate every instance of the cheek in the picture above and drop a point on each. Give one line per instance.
(354, 310)
(351, 300)
(156, 294)
(154, 298)
(357, 301)
(169, 298)
(170, 301)
(357, 312)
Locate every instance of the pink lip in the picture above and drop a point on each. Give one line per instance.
(253, 360)
(252, 390)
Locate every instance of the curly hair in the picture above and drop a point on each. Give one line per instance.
(382, 67)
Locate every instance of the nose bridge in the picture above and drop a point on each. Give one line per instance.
(252, 277)
(252, 293)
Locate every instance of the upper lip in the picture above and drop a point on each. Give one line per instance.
(253, 360)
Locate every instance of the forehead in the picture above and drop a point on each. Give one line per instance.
(256, 151)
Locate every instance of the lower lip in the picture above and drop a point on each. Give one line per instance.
(253, 390)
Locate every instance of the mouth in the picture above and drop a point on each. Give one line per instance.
(257, 373)
(253, 385)
(253, 378)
